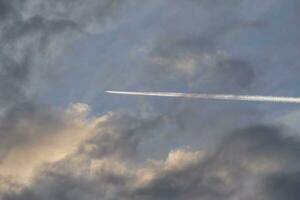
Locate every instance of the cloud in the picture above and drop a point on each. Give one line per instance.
(284, 185)
(120, 135)
(30, 44)
(33, 35)
(50, 153)
(198, 62)
(245, 159)
(36, 138)
(31, 132)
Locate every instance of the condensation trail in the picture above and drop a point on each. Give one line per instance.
(232, 97)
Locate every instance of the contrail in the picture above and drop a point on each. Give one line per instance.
(229, 97)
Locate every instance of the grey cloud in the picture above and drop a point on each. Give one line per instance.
(25, 124)
(67, 187)
(173, 47)
(190, 54)
(236, 72)
(258, 155)
(92, 13)
(121, 135)
(23, 45)
(30, 44)
(33, 35)
(197, 61)
(283, 185)
(5, 9)
(8, 185)
(263, 141)
(238, 157)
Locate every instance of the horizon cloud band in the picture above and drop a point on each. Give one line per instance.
(228, 97)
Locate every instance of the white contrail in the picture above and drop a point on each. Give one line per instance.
(275, 99)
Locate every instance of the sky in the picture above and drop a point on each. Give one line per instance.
(64, 138)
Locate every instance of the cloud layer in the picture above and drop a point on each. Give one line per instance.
(151, 149)
(256, 162)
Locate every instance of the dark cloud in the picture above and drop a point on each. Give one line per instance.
(237, 72)
(283, 185)
(245, 155)
(258, 155)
